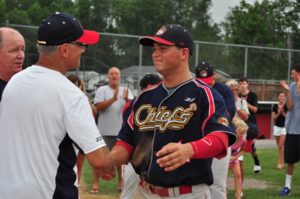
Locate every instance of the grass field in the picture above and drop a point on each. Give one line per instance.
(273, 178)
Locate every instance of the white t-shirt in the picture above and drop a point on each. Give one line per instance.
(110, 120)
(241, 104)
(42, 116)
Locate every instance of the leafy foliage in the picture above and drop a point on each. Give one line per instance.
(266, 23)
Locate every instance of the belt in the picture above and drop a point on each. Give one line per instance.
(167, 192)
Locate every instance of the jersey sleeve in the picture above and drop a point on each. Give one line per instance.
(218, 119)
(81, 126)
(126, 131)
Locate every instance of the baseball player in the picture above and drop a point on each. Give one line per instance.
(206, 73)
(130, 178)
(174, 129)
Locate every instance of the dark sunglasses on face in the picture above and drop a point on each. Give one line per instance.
(82, 45)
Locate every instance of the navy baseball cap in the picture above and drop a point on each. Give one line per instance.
(171, 35)
(205, 72)
(60, 28)
(149, 79)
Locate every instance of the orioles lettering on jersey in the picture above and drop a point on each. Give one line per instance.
(163, 119)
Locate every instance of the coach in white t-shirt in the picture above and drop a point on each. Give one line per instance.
(45, 119)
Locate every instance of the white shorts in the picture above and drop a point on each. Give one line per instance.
(278, 131)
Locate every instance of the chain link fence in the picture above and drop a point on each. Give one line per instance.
(263, 66)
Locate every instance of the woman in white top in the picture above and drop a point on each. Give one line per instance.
(242, 112)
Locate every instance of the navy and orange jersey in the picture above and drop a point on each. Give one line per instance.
(157, 117)
(227, 94)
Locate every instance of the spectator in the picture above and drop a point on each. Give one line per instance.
(206, 73)
(292, 125)
(238, 150)
(130, 178)
(251, 99)
(45, 119)
(279, 112)
(109, 101)
(175, 129)
(12, 53)
(242, 113)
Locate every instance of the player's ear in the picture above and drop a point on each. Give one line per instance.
(63, 50)
(185, 53)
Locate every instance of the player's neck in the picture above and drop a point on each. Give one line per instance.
(245, 92)
(171, 81)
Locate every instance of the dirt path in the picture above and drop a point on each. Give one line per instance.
(248, 184)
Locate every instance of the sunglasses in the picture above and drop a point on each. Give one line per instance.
(82, 45)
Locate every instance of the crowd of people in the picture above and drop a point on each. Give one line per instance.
(176, 139)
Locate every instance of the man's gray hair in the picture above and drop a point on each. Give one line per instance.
(46, 49)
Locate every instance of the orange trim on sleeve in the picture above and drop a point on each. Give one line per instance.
(125, 145)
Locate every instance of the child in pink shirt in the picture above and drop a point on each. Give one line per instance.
(237, 150)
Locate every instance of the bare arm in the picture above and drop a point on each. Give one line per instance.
(289, 102)
(101, 106)
(101, 160)
(275, 115)
(242, 114)
(120, 155)
(252, 108)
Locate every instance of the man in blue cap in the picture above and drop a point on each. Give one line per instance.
(45, 119)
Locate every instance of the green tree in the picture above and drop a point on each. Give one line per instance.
(144, 17)
(137, 17)
(264, 23)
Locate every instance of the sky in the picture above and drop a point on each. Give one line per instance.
(220, 8)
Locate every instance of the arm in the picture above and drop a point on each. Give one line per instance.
(242, 109)
(252, 108)
(242, 114)
(120, 154)
(174, 155)
(252, 102)
(274, 116)
(101, 106)
(101, 160)
(289, 102)
(241, 152)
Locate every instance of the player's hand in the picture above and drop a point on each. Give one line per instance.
(174, 155)
(107, 176)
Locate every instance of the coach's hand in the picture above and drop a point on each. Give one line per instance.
(174, 155)
(107, 175)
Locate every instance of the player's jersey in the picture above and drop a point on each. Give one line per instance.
(157, 118)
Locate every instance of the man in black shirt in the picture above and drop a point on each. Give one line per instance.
(12, 53)
(251, 99)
